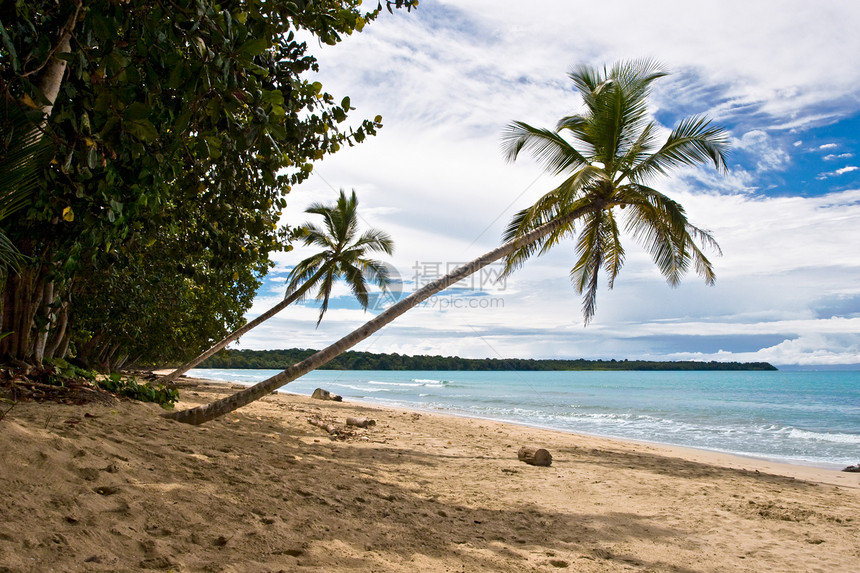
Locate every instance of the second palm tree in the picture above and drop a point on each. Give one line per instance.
(344, 256)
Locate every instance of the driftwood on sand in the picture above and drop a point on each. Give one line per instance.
(534, 456)
(342, 432)
(360, 422)
(325, 425)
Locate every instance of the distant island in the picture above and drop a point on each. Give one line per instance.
(353, 360)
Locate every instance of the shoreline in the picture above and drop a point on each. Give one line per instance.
(116, 487)
(810, 473)
(739, 457)
(832, 474)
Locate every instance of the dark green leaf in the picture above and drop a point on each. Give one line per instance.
(142, 129)
(254, 47)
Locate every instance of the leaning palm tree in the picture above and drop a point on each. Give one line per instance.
(344, 256)
(611, 156)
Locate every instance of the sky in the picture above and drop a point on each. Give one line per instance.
(781, 76)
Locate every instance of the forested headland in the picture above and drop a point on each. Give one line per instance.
(355, 360)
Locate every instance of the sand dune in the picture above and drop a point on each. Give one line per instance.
(118, 488)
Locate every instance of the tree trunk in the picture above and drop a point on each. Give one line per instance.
(106, 358)
(22, 298)
(45, 310)
(534, 456)
(87, 353)
(58, 336)
(63, 350)
(202, 414)
(297, 294)
(50, 77)
(31, 294)
(5, 313)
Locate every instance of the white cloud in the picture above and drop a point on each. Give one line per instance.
(760, 145)
(838, 172)
(828, 146)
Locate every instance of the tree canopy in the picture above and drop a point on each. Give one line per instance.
(179, 127)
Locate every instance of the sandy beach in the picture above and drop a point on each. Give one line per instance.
(116, 487)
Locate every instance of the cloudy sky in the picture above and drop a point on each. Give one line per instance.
(781, 76)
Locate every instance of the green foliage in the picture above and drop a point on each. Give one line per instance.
(129, 387)
(63, 370)
(178, 130)
(23, 154)
(352, 360)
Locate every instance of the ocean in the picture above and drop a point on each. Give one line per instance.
(807, 418)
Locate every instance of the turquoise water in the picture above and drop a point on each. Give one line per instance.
(810, 418)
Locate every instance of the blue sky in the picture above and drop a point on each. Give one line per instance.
(781, 77)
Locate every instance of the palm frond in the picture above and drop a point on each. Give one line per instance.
(551, 150)
(316, 237)
(584, 274)
(24, 152)
(694, 141)
(356, 280)
(661, 226)
(377, 273)
(613, 252)
(324, 292)
(636, 152)
(304, 272)
(374, 240)
(617, 106)
(563, 201)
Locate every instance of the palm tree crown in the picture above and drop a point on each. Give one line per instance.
(610, 153)
(344, 254)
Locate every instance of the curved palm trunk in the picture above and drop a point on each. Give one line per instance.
(297, 294)
(202, 414)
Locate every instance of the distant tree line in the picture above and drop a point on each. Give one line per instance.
(353, 360)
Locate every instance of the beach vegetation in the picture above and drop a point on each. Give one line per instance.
(344, 256)
(608, 155)
(175, 129)
(128, 386)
